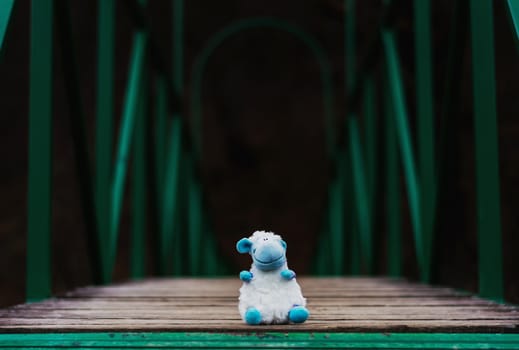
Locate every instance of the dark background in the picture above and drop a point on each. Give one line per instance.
(264, 163)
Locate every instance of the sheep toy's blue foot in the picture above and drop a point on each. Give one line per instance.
(298, 314)
(253, 316)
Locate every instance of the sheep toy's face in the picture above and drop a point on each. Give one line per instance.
(268, 250)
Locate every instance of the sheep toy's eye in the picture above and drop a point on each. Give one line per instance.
(254, 250)
(265, 239)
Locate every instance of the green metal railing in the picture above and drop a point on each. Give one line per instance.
(421, 169)
(151, 136)
(167, 194)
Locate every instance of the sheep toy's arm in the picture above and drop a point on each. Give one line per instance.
(288, 274)
(246, 276)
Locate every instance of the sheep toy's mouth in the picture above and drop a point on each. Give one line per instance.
(269, 262)
(269, 265)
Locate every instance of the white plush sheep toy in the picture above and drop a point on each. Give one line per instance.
(270, 293)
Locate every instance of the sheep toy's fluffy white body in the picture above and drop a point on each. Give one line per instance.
(271, 294)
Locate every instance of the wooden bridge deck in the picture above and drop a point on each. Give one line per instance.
(210, 305)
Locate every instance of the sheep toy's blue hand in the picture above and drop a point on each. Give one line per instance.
(288, 274)
(246, 276)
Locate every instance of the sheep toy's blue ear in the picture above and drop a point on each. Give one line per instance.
(284, 244)
(243, 246)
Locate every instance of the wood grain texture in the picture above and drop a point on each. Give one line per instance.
(200, 305)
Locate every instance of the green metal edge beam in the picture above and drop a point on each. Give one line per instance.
(39, 218)
(486, 150)
(404, 137)
(104, 127)
(6, 8)
(264, 340)
(130, 112)
(361, 197)
(267, 23)
(513, 10)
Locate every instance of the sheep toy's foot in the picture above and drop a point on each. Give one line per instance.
(253, 316)
(298, 314)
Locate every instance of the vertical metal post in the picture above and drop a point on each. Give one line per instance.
(76, 117)
(178, 86)
(194, 221)
(347, 190)
(336, 212)
(393, 224)
(361, 196)
(349, 44)
(138, 237)
(161, 114)
(40, 152)
(425, 112)
(104, 127)
(178, 46)
(138, 233)
(370, 130)
(487, 169)
(371, 168)
(171, 198)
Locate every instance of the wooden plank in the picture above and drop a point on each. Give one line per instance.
(191, 305)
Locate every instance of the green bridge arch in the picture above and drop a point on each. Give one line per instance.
(220, 37)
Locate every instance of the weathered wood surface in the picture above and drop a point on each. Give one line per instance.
(193, 305)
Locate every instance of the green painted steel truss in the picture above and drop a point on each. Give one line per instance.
(263, 340)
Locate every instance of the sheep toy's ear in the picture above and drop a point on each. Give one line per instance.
(243, 246)
(284, 244)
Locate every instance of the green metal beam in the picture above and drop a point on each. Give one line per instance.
(130, 112)
(361, 195)
(425, 113)
(171, 198)
(178, 46)
(513, 10)
(6, 8)
(161, 114)
(263, 340)
(104, 127)
(392, 189)
(160, 148)
(76, 116)
(195, 221)
(139, 203)
(404, 137)
(371, 136)
(487, 157)
(40, 152)
(336, 217)
(349, 45)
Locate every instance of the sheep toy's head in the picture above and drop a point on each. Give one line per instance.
(268, 250)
